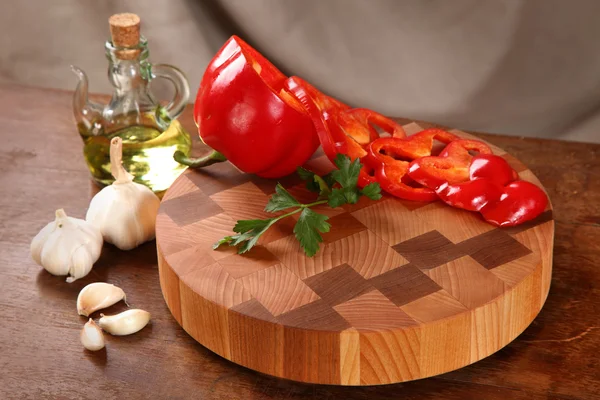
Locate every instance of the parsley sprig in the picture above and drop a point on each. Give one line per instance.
(337, 188)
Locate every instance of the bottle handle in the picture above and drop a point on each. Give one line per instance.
(182, 87)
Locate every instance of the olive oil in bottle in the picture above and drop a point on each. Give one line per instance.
(150, 132)
(147, 154)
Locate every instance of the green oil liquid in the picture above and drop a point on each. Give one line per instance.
(147, 154)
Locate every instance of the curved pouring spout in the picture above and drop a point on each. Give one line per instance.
(86, 113)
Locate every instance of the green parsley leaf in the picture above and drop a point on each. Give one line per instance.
(329, 180)
(309, 177)
(248, 244)
(341, 196)
(249, 231)
(310, 224)
(251, 225)
(305, 174)
(336, 198)
(239, 238)
(351, 195)
(313, 181)
(281, 200)
(307, 230)
(225, 240)
(324, 189)
(372, 191)
(347, 174)
(233, 240)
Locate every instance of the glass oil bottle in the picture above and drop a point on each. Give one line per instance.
(150, 132)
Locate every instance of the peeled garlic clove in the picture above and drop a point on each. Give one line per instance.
(91, 336)
(124, 323)
(97, 296)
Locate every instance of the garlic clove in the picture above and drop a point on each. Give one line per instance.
(81, 260)
(97, 296)
(125, 323)
(37, 244)
(91, 336)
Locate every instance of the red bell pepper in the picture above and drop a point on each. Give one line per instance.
(390, 158)
(358, 123)
(490, 188)
(342, 130)
(452, 164)
(486, 177)
(492, 167)
(243, 112)
(520, 201)
(323, 110)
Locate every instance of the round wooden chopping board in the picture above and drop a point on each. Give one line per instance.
(399, 290)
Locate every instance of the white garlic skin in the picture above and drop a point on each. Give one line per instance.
(124, 212)
(91, 336)
(125, 323)
(97, 296)
(67, 246)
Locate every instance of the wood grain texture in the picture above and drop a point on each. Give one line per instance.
(554, 358)
(398, 291)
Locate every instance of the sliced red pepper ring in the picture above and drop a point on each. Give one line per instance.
(391, 173)
(359, 124)
(485, 178)
(355, 127)
(492, 167)
(470, 195)
(451, 166)
(366, 176)
(390, 177)
(324, 102)
(331, 136)
(520, 202)
(493, 191)
(415, 146)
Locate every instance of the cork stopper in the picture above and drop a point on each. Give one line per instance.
(125, 29)
(125, 32)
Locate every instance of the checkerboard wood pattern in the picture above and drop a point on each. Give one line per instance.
(399, 290)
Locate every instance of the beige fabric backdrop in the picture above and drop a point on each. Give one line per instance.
(527, 67)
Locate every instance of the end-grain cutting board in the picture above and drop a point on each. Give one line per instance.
(399, 290)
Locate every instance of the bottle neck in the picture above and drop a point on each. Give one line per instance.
(128, 68)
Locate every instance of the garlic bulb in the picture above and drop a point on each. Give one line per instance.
(97, 296)
(124, 323)
(125, 212)
(67, 246)
(91, 336)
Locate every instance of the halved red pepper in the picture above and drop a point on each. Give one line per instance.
(241, 112)
(390, 158)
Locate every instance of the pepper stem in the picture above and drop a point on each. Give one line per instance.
(116, 162)
(211, 158)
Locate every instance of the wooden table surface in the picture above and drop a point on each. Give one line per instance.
(42, 169)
